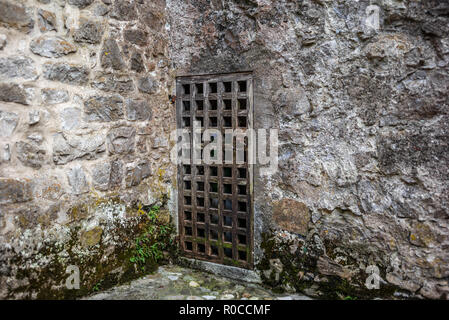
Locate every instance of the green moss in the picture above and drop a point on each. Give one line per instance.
(304, 260)
(47, 280)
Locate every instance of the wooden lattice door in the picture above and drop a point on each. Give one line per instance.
(215, 199)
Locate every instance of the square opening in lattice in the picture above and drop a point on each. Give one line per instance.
(242, 104)
(213, 171)
(227, 104)
(186, 88)
(188, 245)
(201, 248)
(227, 122)
(242, 122)
(200, 186)
(214, 219)
(212, 87)
(214, 250)
(200, 170)
(242, 86)
(241, 222)
(199, 105)
(227, 86)
(188, 231)
(200, 217)
(187, 200)
(187, 215)
(200, 233)
(242, 206)
(213, 203)
(242, 238)
(213, 187)
(242, 173)
(213, 104)
(213, 121)
(186, 106)
(227, 252)
(242, 255)
(227, 221)
(200, 201)
(227, 204)
(186, 122)
(227, 188)
(187, 169)
(227, 172)
(187, 185)
(227, 236)
(199, 88)
(242, 190)
(213, 235)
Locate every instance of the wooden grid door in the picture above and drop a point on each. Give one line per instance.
(215, 200)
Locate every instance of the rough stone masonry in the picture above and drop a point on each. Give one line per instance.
(361, 109)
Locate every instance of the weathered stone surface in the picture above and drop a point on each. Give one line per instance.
(34, 117)
(54, 96)
(124, 10)
(137, 172)
(136, 36)
(17, 93)
(291, 215)
(46, 21)
(51, 47)
(152, 17)
(121, 140)
(138, 110)
(328, 267)
(80, 3)
(70, 118)
(89, 32)
(101, 10)
(77, 180)
(147, 85)
(113, 83)
(107, 176)
(67, 148)
(66, 73)
(30, 155)
(91, 237)
(14, 190)
(136, 62)
(47, 187)
(15, 16)
(8, 123)
(17, 67)
(104, 109)
(111, 57)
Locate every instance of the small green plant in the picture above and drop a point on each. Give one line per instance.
(153, 240)
(349, 298)
(97, 286)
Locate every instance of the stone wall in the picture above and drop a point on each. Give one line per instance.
(362, 115)
(84, 126)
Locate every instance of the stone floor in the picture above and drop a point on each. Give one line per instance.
(178, 283)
